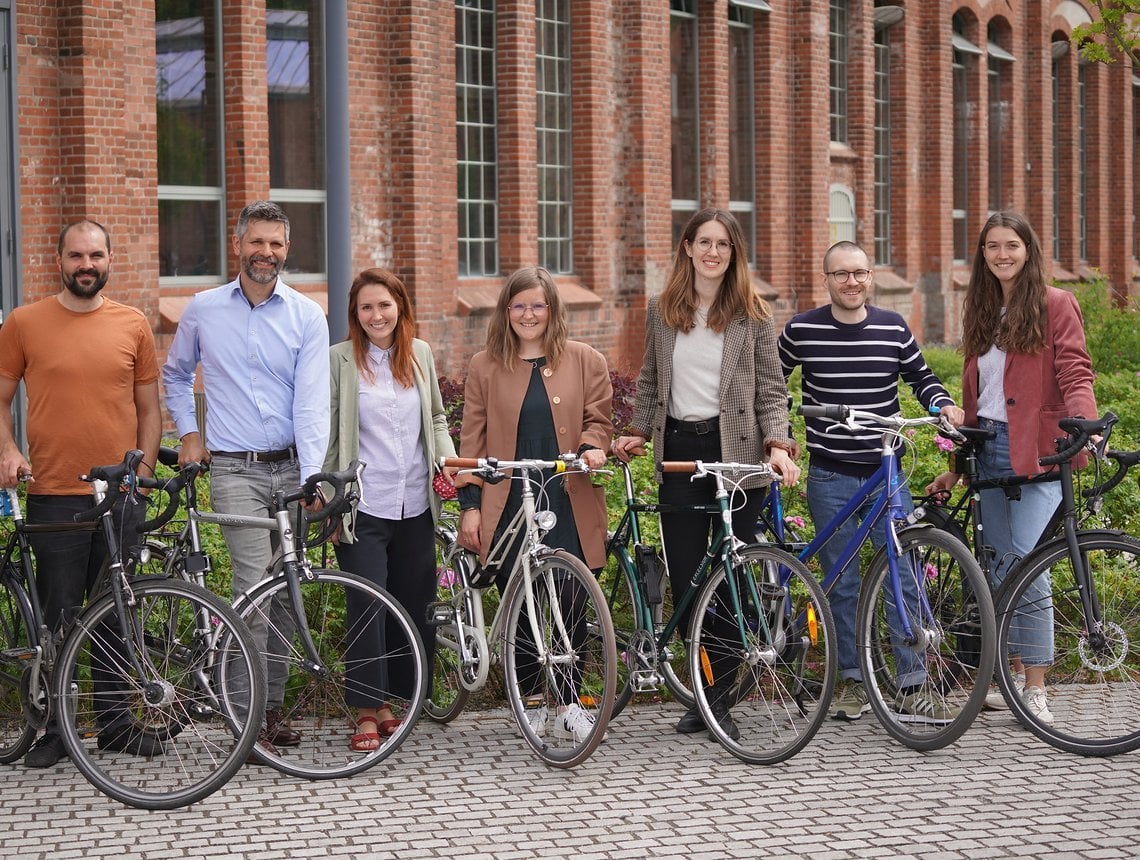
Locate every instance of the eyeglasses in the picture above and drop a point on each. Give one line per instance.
(842, 275)
(519, 308)
(705, 245)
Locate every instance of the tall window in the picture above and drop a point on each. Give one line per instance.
(683, 82)
(882, 146)
(838, 40)
(964, 55)
(1082, 165)
(742, 124)
(552, 72)
(1060, 48)
(1136, 167)
(294, 70)
(191, 196)
(476, 137)
(841, 214)
(999, 74)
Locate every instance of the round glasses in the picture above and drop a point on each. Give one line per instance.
(706, 245)
(520, 308)
(842, 275)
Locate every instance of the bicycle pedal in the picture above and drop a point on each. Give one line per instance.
(440, 614)
(20, 654)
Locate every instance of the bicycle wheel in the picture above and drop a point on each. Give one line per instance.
(448, 695)
(630, 639)
(178, 733)
(20, 713)
(321, 702)
(764, 698)
(570, 688)
(1093, 684)
(926, 693)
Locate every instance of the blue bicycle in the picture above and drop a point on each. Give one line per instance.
(925, 630)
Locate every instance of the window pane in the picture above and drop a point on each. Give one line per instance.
(306, 237)
(189, 236)
(838, 69)
(476, 140)
(296, 101)
(683, 58)
(553, 117)
(882, 147)
(186, 89)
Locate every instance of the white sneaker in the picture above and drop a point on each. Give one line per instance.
(539, 719)
(995, 701)
(1037, 704)
(575, 723)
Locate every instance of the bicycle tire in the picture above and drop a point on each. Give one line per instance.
(17, 729)
(624, 615)
(560, 580)
(957, 640)
(775, 689)
(447, 696)
(316, 702)
(940, 518)
(1094, 688)
(202, 730)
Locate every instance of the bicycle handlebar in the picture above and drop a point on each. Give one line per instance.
(1125, 460)
(1080, 430)
(173, 487)
(115, 476)
(564, 463)
(855, 419)
(340, 498)
(700, 467)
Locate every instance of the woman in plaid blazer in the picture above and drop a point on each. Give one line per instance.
(711, 388)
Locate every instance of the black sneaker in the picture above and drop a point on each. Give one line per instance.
(724, 718)
(45, 752)
(129, 738)
(691, 722)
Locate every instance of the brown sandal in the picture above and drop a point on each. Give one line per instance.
(366, 741)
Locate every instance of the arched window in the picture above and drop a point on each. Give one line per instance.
(841, 214)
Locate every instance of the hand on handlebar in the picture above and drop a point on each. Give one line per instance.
(785, 466)
(627, 447)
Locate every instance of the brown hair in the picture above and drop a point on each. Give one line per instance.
(403, 357)
(502, 343)
(1022, 327)
(735, 298)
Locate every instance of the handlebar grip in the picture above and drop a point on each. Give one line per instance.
(115, 474)
(94, 513)
(458, 463)
(679, 466)
(1080, 430)
(834, 413)
(1124, 461)
(173, 489)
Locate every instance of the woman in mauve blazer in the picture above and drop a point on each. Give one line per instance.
(1026, 367)
(386, 409)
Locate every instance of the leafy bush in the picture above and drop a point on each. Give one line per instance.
(1112, 332)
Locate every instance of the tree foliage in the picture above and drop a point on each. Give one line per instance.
(1116, 31)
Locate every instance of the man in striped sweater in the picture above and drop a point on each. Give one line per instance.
(853, 353)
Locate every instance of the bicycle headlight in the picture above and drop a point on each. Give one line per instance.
(545, 520)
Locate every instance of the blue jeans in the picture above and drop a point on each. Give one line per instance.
(246, 489)
(1013, 527)
(827, 493)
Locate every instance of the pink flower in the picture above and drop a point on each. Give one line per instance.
(943, 443)
(447, 577)
(931, 571)
(794, 522)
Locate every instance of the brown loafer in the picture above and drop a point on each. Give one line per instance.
(278, 731)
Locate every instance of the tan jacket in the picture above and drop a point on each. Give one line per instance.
(344, 437)
(581, 402)
(753, 396)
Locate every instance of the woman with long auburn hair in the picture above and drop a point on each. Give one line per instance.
(387, 411)
(1026, 367)
(711, 388)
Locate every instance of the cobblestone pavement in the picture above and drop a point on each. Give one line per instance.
(472, 789)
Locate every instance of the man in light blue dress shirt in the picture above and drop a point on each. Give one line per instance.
(263, 348)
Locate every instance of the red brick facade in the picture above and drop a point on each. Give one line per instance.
(87, 147)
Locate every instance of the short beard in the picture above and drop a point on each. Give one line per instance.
(257, 277)
(80, 291)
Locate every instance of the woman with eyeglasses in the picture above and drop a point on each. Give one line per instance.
(534, 394)
(710, 388)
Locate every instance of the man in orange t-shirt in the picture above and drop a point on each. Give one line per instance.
(89, 368)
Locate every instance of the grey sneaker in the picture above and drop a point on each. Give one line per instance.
(922, 707)
(995, 701)
(1037, 704)
(851, 702)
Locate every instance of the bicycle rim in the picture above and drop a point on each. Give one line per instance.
(1093, 684)
(355, 670)
(16, 730)
(447, 696)
(169, 739)
(576, 680)
(763, 699)
(624, 614)
(928, 692)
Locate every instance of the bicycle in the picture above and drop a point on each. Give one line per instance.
(760, 627)
(551, 630)
(925, 627)
(137, 683)
(1091, 609)
(299, 616)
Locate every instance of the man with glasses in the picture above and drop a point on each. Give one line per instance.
(852, 353)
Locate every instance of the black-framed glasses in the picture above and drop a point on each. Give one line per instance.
(842, 275)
